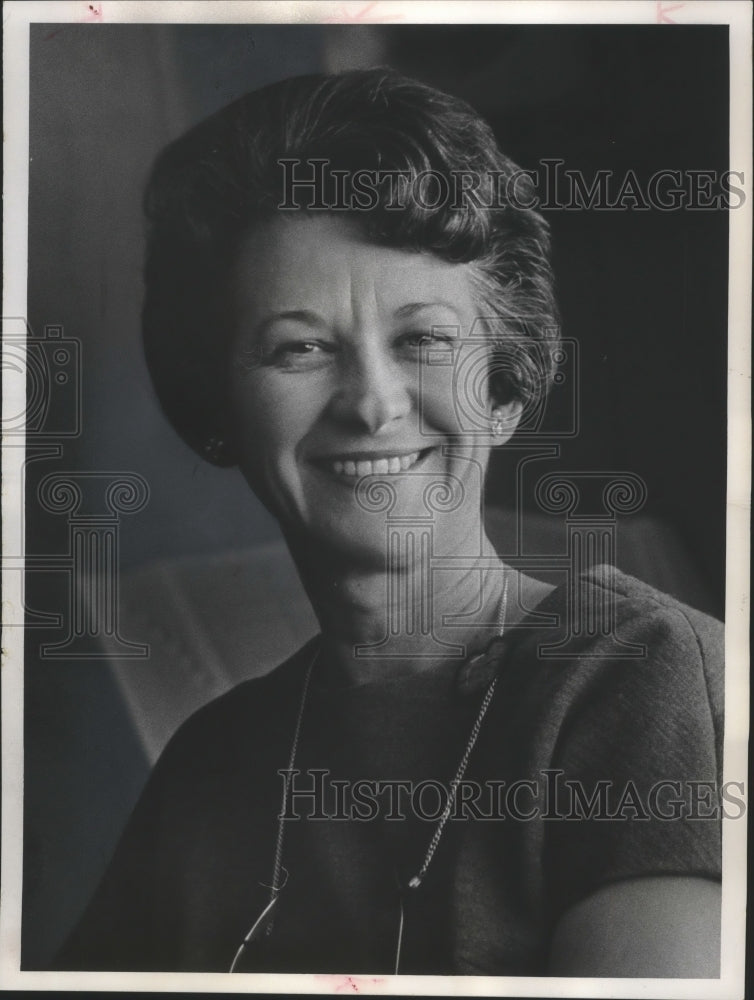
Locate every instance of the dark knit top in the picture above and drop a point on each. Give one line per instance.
(591, 766)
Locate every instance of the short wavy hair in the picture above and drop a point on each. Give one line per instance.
(211, 186)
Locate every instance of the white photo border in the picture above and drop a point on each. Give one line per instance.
(17, 16)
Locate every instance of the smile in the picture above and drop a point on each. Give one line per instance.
(383, 466)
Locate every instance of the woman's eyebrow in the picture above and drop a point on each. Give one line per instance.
(414, 307)
(297, 315)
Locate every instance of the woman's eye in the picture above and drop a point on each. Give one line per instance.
(426, 339)
(301, 353)
(286, 354)
(300, 347)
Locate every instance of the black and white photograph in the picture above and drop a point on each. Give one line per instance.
(376, 463)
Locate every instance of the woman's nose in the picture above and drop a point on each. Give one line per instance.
(373, 393)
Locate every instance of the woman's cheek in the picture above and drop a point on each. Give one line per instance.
(454, 394)
(276, 413)
(259, 404)
(439, 408)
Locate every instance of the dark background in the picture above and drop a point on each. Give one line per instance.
(643, 293)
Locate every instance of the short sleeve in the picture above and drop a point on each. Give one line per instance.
(638, 758)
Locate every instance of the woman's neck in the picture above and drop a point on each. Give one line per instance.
(379, 623)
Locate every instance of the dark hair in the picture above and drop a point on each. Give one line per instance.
(209, 187)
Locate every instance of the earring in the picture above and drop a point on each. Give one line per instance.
(498, 425)
(215, 449)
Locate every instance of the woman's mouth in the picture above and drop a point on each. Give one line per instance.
(384, 465)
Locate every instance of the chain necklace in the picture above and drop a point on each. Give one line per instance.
(264, 920)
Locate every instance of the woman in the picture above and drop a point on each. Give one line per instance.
(348, 296)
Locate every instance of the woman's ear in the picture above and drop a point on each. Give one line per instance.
(504, 420)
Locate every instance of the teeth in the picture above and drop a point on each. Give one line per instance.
(379, 467)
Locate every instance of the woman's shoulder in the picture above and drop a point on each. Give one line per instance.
(252, 713)
(642, 616)
(639, 594)
(602, 603)
(609, 641)
(609, 675)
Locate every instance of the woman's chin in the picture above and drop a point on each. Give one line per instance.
(381, 519)
(368, 540)
(355, 539)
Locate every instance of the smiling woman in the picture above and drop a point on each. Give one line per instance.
(328, 342)
(421, 789)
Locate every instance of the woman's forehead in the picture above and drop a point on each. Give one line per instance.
(325, 261)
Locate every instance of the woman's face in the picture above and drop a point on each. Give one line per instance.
(344, 366)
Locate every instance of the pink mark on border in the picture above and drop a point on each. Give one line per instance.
(664, 9)
(93, 12)
(344, 15)
(349, 984)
